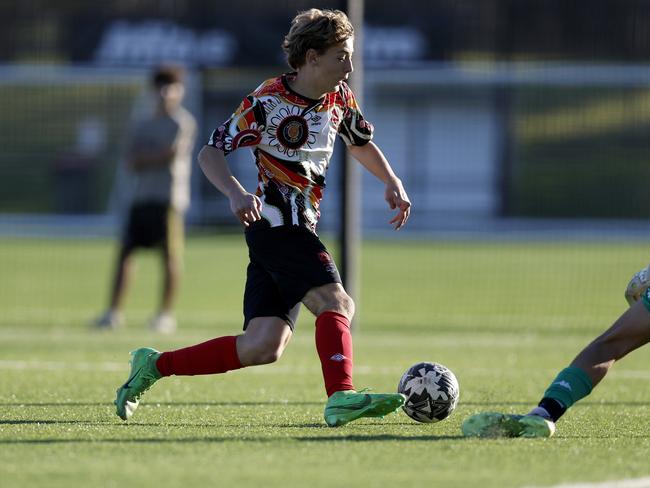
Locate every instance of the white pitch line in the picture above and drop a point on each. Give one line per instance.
(628, 483)
(23, 365)
(60, 365)
(9, 364)
(18, 365)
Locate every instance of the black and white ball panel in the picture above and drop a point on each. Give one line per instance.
(431, 390)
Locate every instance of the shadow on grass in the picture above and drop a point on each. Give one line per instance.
(175, 404)
(380, 437)
(504, 403)
(152, 440)
(596, 403)
(273, 439)
(216, 425)
(38, 422)
(119, 424)
(225, 439)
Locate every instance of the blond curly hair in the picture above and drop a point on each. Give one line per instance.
(315, 29)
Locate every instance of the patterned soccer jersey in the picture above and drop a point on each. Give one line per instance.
(292, 138)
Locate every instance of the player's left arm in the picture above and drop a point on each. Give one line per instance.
(371, 157)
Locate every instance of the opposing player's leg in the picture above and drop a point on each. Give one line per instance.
(493, 424)
(629, 332)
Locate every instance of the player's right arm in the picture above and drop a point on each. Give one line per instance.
(244, 205)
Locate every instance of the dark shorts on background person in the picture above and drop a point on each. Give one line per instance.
(154, 224)
(285, 263)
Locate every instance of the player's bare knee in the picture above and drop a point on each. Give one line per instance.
(340, 303)
(264, 341)
(346, 306)
(337, 301)
(329, 298)
(263, 352)
(267, 356)
(256, 358)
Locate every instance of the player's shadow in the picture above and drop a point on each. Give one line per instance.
(165, 404)
(503, 403)
(152, 440)
(118, 423)
(378, 438)
(226, 439)
(595, 403)
(49, 421)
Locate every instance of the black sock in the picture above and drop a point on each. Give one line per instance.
(553, 407)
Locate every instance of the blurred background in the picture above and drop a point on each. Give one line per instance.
(521, 131)
(501, 116)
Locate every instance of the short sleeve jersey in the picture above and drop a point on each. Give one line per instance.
(292, 138)
(166, 184)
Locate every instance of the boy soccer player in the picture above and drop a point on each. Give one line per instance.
(290, 122)
(629, 332)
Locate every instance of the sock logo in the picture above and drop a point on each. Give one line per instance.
(563, 384)
(338, 357)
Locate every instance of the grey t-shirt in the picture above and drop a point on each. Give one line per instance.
(165, 184)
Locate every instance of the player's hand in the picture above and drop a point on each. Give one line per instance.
(246, 207)
(637, 285)
(398, 199)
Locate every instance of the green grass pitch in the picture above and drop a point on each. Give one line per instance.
(504, 316)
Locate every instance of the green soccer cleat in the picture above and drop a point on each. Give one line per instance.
(143, 375)
(490, 424)
(345, 406)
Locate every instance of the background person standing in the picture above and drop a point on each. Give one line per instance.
(159, 158)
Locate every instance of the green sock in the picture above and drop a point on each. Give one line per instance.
(570, 385)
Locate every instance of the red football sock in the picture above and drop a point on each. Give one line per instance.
(334, 346)
(211, 357)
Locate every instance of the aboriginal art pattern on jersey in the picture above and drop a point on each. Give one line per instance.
(292, 139)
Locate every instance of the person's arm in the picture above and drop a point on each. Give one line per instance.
(143, 154)
(245, 206)
(141, 160)
(371, 157)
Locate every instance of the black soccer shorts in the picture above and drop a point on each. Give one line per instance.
(285, 263)
(152, 224)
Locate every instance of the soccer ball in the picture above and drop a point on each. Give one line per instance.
(431, 391)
